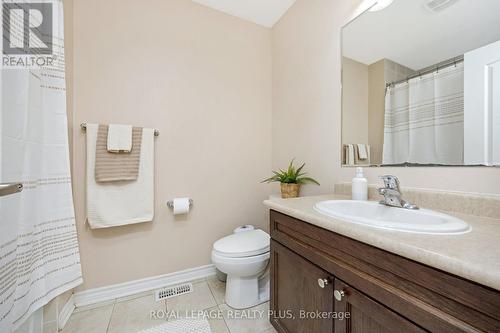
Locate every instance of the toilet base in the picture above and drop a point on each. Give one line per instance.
(243, 293)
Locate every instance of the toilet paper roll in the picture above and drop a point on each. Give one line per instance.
(181, 206)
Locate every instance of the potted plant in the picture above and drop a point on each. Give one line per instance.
(290, 180)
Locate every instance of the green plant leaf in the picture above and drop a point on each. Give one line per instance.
(301, 174)
(300, 168)
(305, 180)
(271, 179)
(291, 175)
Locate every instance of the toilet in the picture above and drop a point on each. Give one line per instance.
(244, 257)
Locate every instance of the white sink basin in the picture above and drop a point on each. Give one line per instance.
(373, 214)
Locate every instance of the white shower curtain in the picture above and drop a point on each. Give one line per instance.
(424, 119)
(39, 256)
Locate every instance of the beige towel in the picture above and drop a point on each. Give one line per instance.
(118, 203)
(362, 153)
(359, 161)
(112, 167)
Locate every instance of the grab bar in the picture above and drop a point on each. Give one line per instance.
(10, 188)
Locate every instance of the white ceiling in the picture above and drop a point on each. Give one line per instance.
(411, 35)
(262, 12)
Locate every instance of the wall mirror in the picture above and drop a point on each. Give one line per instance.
(421, 84)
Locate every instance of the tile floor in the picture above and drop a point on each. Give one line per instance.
(133, 313)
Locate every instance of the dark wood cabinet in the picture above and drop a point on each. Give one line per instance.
(367, 290)
(296, 294)
(366, 315)
(304, 300)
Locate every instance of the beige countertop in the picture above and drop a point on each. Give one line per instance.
(474, 256)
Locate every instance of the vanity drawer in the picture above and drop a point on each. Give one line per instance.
(435, 300)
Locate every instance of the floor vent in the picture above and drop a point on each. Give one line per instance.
(170, 292)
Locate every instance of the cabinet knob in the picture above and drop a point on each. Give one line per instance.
(323, 283)
(338, 294)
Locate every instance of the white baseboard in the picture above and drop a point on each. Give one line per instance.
(66, 312)
(108, 293)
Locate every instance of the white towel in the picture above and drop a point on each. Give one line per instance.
(122, 202)
(368, 151)
(362, 153)
(350, 154)
(119, 138)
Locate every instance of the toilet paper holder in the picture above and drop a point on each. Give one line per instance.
(170, 203)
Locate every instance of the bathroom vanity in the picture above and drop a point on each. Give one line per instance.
(320, 273)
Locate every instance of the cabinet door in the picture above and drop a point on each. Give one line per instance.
(297, 291)
(364, 315)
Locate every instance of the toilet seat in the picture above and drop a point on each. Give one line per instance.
(240, 245)
(242, 260)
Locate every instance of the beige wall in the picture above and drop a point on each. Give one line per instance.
(306, 104)
(376, 110)
(306, 89)
(203, 79)
(354, 101)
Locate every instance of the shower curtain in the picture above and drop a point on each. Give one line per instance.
(39, 256)
(424, 119)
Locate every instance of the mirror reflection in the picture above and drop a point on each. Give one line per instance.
(421, 84)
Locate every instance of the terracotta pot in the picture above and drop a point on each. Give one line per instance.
(290, 190)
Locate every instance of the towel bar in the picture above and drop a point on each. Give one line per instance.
(84, 128)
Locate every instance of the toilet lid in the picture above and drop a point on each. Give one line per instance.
(244, 244)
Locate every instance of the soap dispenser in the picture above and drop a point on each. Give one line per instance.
(359, 186)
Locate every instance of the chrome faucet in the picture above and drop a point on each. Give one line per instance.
(392, 193)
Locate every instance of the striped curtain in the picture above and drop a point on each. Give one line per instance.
(424, 119)
(39, 256)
